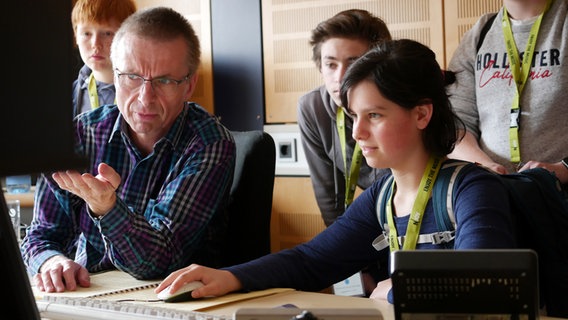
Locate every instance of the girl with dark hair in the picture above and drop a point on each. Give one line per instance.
(402, 120)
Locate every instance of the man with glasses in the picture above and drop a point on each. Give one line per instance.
(154, 195)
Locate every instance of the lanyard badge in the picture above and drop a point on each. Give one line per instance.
(520, 71)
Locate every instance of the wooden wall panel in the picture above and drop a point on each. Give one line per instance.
(288, 69)
(460, 16)
(296, 217)
(199, 15)
(295, 214)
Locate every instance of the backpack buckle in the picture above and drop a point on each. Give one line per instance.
(443, 237)
(381, 242)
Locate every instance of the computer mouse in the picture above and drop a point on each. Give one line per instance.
(182, 294)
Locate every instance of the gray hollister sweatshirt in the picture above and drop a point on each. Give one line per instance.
(484, 90)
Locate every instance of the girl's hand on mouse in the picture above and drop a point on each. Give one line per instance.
(215, 282)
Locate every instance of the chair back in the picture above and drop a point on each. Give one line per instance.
(250, 203)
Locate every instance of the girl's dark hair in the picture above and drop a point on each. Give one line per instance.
(406, 72)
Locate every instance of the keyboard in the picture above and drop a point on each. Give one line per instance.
(66, 308)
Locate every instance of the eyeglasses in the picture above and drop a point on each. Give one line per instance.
(162, 85)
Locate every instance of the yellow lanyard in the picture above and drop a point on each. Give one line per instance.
(520, 72)
(352, 175)
(93, 95)
(415, 220)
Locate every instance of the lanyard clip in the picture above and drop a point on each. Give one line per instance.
(514, 118)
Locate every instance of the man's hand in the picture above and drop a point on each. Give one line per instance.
(98, 192)
(495, 167)
(468, 149)
(558, 169)
(59, 274)
(382, 290)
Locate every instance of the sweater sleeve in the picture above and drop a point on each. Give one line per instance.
(463, 91)
(327, 180)
(339, 251)
(483, 216)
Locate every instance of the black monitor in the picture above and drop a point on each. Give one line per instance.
(465, 284)
(36, 128)
(36, 85)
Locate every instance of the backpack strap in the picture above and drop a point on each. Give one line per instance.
(443, 194)
(442, 198)
(384, 195)
(382, 242)
(484, 31)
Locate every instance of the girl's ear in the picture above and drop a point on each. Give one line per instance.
(423, 114)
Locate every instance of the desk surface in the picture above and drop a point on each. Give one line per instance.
(305, 300)
(118, 286)
(26, 199)
(302, 300)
